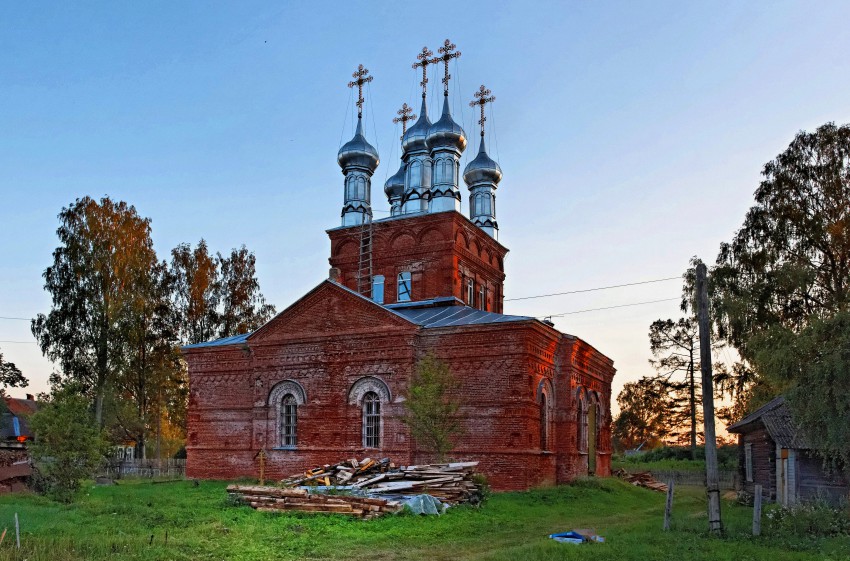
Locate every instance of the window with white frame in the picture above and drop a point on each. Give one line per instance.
(288, 421)
(748, 461)
(378, 289)
(482, 298)
(371, 420)
(470, 292)
(405, 288)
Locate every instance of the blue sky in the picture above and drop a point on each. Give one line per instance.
(631, 134)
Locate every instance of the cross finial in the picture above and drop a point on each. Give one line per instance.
(447, 55)
(424, 60)
(483, 97)
(406, 114)
(362, 78)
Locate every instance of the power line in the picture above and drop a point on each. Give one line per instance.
(21, 342)
(22, 319)
(592, 289)
(610, 307)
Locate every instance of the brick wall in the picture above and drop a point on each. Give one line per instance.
(441, 250)
(330, 339)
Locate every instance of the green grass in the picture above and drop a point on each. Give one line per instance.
(118, 522)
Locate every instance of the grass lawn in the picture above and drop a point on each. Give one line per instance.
(118, 522)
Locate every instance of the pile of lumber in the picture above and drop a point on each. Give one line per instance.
(277, 499)
(348, 472)
(450, 483)
(642, 479)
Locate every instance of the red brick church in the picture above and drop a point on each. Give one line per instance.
(325, 379)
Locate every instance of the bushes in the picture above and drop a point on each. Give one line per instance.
(809, 519)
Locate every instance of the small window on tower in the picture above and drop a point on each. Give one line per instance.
(404, 287)
(470, 292)
(378, 289)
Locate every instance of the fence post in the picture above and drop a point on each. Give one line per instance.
(669, 506)
(757, 511)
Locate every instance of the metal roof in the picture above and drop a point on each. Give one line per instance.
(450, 316)
(234, 340)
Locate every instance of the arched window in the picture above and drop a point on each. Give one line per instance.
(288, 420)
(371, 420)
(405, 288)
(470, 292)
(581, 422)
(378, 289)
(544, 423)
(284, 400)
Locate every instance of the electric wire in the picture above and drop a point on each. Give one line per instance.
(22, 319)
(608, 308)
(345, 118)
(594, 289)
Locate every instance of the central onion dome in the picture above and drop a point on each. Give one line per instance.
(415, 137)
(445, 133)
(483, 169)
(394, 187)
(357, 152)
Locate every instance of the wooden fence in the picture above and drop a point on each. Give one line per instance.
(167, 467)
(728, 478)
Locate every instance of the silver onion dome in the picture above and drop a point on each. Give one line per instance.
(445, 133)
(483, 169)
(415, 137)
(357, 152)
(394, 187)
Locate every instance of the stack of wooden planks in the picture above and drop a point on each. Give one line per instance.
(450, 483)
(642, 479)
(277, 499)
(347, 472)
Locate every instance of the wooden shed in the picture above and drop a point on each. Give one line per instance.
(775, 453)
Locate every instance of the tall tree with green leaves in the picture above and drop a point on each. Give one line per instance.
(153, 377)
(216, 296)
(431, 405)
(196, 292)
(104, 257)
(785, 276)
(243, 306)
(675, 348)
(643, 420)
(11, 376)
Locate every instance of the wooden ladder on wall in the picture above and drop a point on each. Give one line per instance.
(364, 271)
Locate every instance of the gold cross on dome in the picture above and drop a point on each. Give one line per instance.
(447, 55)
(407, 114)
(483, 97)
(362, 78)
(424, 60)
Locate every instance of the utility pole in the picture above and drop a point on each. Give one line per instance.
(712, 478)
